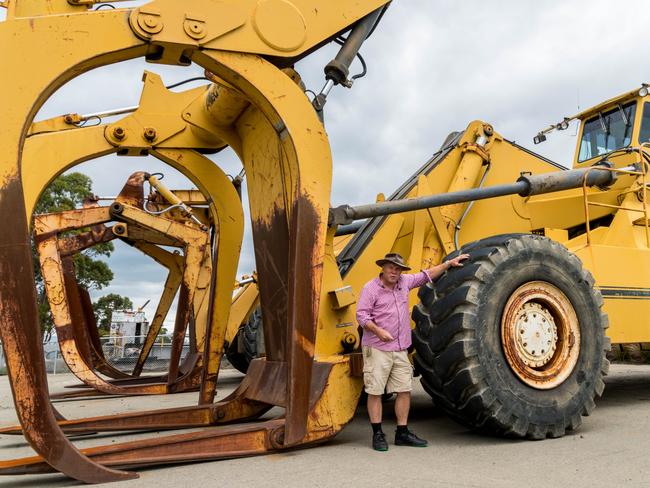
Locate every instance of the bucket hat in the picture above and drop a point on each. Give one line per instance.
(395, 258)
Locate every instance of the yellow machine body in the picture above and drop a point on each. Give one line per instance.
(308, 279)
(617, 255)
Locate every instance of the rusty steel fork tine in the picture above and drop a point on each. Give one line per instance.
(235, 407)
(82, 323)
(189, 380)
(178, 337)
(101, 363)
(20, 334)
(302, 319)
(209, 444)
(157, 385)
(74, 305)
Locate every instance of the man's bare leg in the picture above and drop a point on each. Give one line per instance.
(402, 406)
(375, 413)
(375, 409)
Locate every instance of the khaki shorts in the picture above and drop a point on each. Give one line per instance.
(384, 370)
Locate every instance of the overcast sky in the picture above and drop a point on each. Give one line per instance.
(434, 66)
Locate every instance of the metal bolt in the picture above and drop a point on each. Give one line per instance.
(277, 437)
(68, 119)
(119, 229)
(150, 22)
(117, 208)
(149, 133)
(119, 133)
(195, 28)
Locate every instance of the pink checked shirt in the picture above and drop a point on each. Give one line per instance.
(388, 309)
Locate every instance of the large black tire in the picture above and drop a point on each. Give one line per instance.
(462, 355)
(248, 344)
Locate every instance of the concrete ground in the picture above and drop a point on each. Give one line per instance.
(610, 449)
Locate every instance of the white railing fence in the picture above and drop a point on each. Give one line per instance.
(121, 352)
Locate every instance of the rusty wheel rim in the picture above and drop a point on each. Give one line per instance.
(540, 335)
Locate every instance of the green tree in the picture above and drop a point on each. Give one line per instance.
(68, 192)
(65, 193)
(104, 308)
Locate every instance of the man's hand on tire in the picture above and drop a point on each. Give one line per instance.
(457, 262)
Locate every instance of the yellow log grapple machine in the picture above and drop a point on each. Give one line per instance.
(514, 343)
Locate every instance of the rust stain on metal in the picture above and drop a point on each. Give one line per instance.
(304, 291)
(539, 328)
(132, 192)
(271, 239)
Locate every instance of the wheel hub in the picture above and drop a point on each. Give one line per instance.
(536, 337)
(540, 335)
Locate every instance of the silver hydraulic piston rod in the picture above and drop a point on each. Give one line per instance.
(526, 185)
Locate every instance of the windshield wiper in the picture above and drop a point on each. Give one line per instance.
(624, 116)
(603, 125)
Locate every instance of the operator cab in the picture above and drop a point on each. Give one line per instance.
(615, 124)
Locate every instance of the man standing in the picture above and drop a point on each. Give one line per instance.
(383, 312)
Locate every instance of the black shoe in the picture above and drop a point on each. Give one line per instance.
(379, 441)
(408, 438)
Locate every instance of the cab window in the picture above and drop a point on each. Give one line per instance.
(644, 135)
(607, 131)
